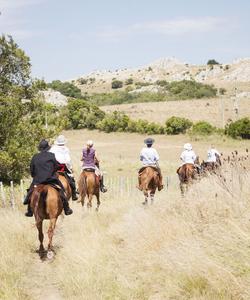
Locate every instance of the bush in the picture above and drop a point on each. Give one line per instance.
(66, 88)
(212, 62)
(240, 128)
(129, 81)
(203, 128)
(187, 89)
(116, 84)
(113, 122)
(82, 114)
(177, 125)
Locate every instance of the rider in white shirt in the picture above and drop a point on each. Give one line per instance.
(62, 155)
(188, 156)
(150, 157)
(211, 154)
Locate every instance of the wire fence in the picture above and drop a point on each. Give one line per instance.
(12, 195)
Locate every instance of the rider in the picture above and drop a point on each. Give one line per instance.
(62, 155)
(212, 154)
(90, 161)
(43, 168)
(150, 157)
(188, 156)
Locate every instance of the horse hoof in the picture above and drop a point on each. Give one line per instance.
(50, 254)
(144, 203)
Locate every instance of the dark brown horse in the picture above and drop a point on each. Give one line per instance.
(211, 167)
(148, 182)
(187, 173)
(89, 186)
(47, 205)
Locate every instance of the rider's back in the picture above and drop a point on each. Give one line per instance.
(43, 167)
(188, 157)
(149, 156)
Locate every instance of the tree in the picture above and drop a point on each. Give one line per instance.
(15, 66)
(212, 62)
(240, 128)
(66, 88)
(177, 125)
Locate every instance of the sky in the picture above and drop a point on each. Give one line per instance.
(68, 38)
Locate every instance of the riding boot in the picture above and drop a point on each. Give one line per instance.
(73, 187)
(26, 199)
(66, 208)
(29, 212)
(102, 186)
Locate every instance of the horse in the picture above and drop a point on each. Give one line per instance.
(66, 185)
(211, 167)
(89, 185)
(46, 204)
(148, 182)
(187, 173)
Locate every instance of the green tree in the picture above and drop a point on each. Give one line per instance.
(212, 62)
(203, 128)
(66, 88)
(240, 128)
(15, 66)
(177, 125)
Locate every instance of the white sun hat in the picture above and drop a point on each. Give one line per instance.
(60, 141)
(90, 143)
(187, 146)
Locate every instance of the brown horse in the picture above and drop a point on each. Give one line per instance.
(47, 205)
(89, 185)
(66, 185)
(187, 173)
(148, 183)
(211, 167)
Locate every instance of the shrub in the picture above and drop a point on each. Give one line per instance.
(222, 91)
(113, 122)
(177, 125)
(116, 84)
(82, 114)
(212, 62)
(203, 128)
(240, 128)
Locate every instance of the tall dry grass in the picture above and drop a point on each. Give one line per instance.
(196, 247)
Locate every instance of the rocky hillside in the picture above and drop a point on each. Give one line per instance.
(230, 75)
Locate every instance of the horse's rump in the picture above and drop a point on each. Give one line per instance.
(88, 182)
(148, 177)
(142, 169)
(186, 172)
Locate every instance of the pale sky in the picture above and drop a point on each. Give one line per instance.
(66, 39)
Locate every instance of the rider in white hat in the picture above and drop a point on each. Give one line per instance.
(62, 155)
(188, 156)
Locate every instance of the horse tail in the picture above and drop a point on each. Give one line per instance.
(39, 195)
(82, 185)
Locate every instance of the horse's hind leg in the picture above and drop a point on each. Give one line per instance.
(39, 226)
(98, 201)
(182, 188)
(51, 229)
(146, 198)
(90, 201)
(152, 198)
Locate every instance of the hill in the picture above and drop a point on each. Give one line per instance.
(228, 76)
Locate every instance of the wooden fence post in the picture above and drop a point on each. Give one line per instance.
(2, 194)
(21, 190)
(12, 199)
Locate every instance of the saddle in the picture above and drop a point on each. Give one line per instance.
(88, 170)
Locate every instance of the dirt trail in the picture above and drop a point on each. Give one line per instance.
(40, 282)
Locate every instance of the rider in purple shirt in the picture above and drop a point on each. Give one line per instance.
(90, 161)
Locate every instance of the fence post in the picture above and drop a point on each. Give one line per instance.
(21, 190)
(2, 194)
(12, 199)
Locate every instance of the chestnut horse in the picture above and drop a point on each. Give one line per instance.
(187, 173)
(47, 205)
(66, 185)
(89, 185)
(148, 183)
(211, 167)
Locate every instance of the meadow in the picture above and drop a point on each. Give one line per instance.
(196, 247)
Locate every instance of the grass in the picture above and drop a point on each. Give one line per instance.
(196, 247)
